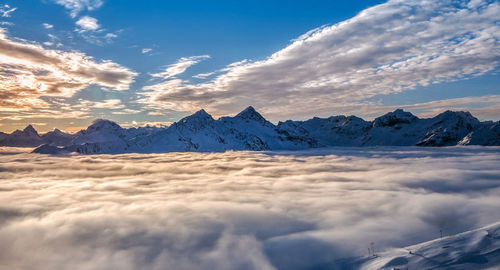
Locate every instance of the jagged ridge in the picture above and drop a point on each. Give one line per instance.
(249, 130)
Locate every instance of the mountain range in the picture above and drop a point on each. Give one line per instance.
(248, 130)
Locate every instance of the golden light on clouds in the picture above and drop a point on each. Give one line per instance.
(29, 71)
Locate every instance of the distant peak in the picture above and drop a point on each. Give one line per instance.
(198, 116)
(30, 129)
(399, 116)
(251, 114)
(457, 115)
(100, 123)
(401, 113)
(249, 109)
(201, 112)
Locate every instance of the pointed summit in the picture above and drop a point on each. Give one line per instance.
(201, 113)
(195, 121)
(30, 130)
(251, 114)
(57, 131)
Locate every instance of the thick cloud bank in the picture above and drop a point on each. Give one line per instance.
(237, 210)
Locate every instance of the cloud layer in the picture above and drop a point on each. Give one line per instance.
(237, 210)
(29, 71)
(385, 49)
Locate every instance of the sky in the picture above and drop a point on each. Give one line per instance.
(64, 63)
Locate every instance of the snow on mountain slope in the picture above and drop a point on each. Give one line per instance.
(476, 249)
(486, 134)
(254, 132)
(332, 131)
(248, 130)
(57, 137)
(103, 136)
(200, 132)
(448, 128)
(192, 133)
(396, 128)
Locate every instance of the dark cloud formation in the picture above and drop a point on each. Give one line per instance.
(237, 210)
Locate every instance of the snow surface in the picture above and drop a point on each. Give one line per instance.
(476, 249)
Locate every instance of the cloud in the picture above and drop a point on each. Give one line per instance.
(47, 26)
(388, 48)
(180, 67)
(204, 75)
(104, 104)
(237, 210)
(146, 50)
(484, 107)
(98, 37)
(28, 72)
(87, 23)
(6, 10)
(76, 6)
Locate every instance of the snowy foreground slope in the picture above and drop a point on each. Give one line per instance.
(476, 249)
(248, 130)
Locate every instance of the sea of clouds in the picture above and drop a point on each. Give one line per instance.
(237, 210)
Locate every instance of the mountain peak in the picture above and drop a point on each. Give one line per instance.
(30, 129)
(451, 114)
(250, 114)
(103, 123)
(196, 120)
(201, 113)
(398, 116)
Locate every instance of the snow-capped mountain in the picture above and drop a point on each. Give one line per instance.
(103, 136)
(200, 132)
(249, 130)
(486, 134)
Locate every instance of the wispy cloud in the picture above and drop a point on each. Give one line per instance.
(6, 10)
(388, 48)
(179, 67)
(29, 72)
(146, 50)
(76, 6)
(87, 23)
(104, 104)
(48, 26)
(237, 210)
